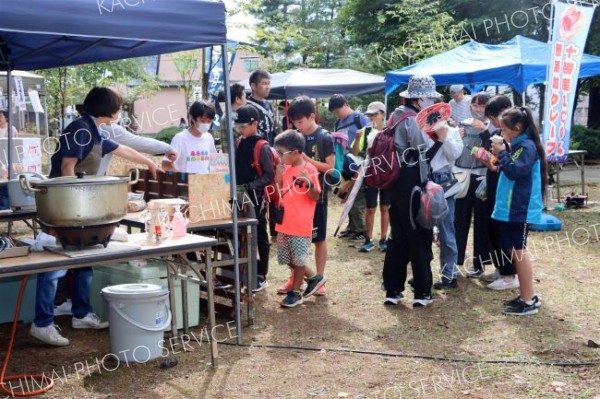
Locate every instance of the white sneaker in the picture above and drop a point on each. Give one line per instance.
(504, 283)
(49, 334)
(91, 320)
(64, 309)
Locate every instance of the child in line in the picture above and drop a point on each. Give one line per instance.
(299, 188)
(318, 152)
(519, 198)
(195, 144)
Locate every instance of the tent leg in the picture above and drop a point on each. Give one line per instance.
(9, 142)
(233, 190)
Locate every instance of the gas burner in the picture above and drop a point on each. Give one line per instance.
(81, 236)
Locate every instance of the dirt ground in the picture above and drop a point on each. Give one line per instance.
(348, 345)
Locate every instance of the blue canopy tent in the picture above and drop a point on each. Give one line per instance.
(38, 34)
(321, 83)
(518, 62)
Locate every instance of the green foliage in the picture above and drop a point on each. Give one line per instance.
(69, 85)
(186, 63)
(583, 138)
(166, 134)
(294, 33)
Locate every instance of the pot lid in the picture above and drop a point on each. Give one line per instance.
(78, 180)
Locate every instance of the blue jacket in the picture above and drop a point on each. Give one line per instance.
(519, 193)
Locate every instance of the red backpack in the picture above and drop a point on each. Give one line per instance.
(271, 192)
(383, 169)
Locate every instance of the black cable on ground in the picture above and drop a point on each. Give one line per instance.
(417, 356)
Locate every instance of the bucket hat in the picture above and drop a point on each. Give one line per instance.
(420, 86)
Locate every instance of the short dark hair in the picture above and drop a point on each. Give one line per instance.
(202, 109)
(480, 98)
(301, 107)
(236, 91)
(337, 101)
(258, 75)
(496, 105)
(79, 109)
(102, 101)
(291, 140)
(4, 112)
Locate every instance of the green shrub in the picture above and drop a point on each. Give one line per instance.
(167, 134)
(583, 138)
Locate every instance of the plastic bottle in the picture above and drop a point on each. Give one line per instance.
(482, 154)
(179, 223)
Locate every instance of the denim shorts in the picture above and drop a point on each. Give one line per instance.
(371, 197)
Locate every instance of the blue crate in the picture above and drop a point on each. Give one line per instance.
(9, 291)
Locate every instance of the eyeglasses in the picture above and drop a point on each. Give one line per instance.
(281, 154)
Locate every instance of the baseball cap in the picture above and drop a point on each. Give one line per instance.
(245, 114)
(456, 88)
(375, 107)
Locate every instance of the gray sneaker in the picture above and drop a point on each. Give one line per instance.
(313, 284)
(491, 277)
(49, 334)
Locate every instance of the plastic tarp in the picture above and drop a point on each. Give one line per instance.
(39, 34)
(322, 83)
(518, 62)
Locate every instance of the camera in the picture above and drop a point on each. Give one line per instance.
(279, 215)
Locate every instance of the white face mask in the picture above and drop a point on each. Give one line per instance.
(478, 115)
(425, 102)
(203, 127)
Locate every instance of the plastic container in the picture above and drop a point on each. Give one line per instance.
(482, 154)
(155, 272)
(138, 316)
(179, 223)
(548, 223)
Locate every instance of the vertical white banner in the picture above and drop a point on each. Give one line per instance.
(570, 29)
(20, 94)
(34, 97)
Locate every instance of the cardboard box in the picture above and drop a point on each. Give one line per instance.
(209, 197)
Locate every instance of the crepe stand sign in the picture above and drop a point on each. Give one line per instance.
(429, 117)
(209, 196)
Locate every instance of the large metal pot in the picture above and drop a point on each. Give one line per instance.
(77, 201)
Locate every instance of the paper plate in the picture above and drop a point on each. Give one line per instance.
(427, 118)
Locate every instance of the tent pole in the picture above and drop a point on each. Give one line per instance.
(233, 190)
(46, 120)
(385, 102)
(9, 143)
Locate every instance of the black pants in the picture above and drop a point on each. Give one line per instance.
(272, 210)
(262, 266)
(407, 244)
(465, 207)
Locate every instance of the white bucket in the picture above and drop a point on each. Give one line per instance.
(138, 314)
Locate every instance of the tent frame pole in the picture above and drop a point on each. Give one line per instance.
(233, 191)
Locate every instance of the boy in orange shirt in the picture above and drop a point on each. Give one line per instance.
(299, 188)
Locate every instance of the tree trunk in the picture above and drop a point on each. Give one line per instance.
(594, 108)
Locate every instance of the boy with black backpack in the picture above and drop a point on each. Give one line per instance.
(349, 122)
(319, 151)
(253, 175)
